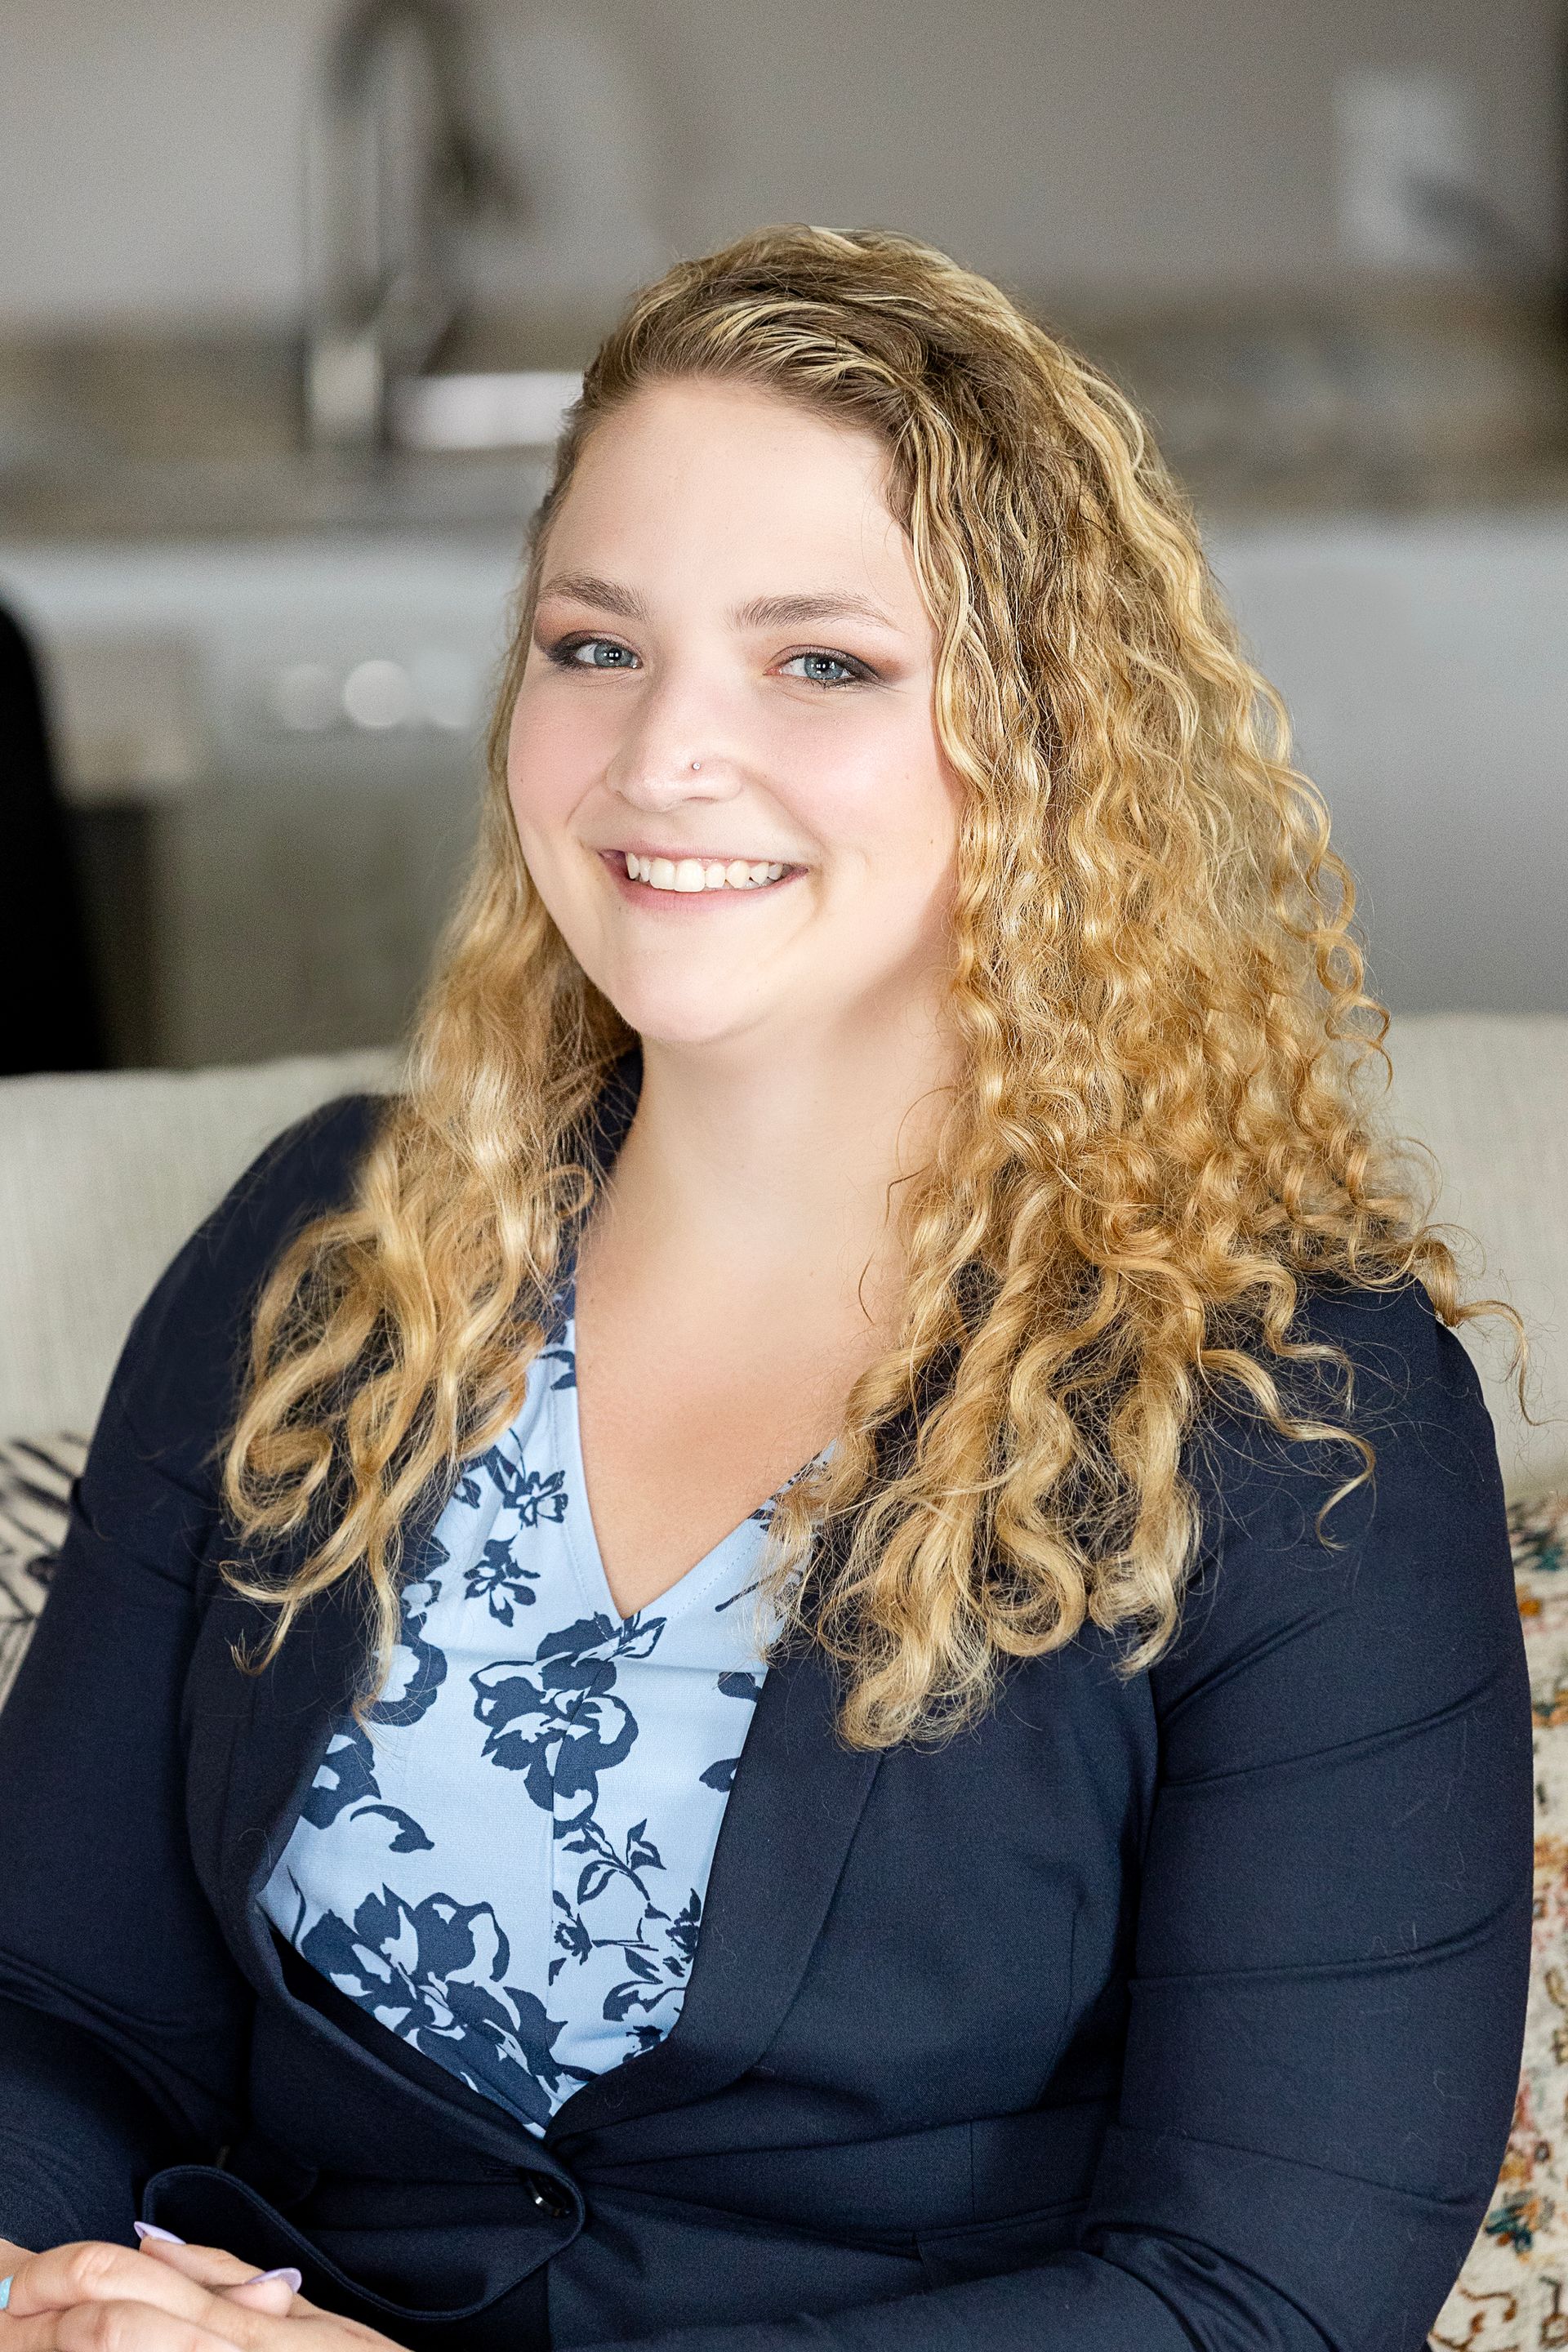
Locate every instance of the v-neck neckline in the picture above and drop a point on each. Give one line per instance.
(583, 1539)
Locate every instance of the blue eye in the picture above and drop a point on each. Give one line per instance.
(602, 653)
(818, 663)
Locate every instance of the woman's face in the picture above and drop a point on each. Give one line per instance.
(731, 671)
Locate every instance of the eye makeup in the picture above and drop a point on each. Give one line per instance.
(564, 652)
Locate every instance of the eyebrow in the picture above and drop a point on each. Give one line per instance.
(604, 595)
(759, 613)
(785, 611)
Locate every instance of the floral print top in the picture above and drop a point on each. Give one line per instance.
(510, 1871)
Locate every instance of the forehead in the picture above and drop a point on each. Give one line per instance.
(733, 477)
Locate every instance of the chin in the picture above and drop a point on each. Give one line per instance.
(694, 1007)
(658, 1022)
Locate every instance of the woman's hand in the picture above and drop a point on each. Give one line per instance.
(12, 2258)
(81, 2291)
(90, 2297)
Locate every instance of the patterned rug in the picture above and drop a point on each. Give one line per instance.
(1512, 2294)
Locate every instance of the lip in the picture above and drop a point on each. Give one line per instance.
(671, 902)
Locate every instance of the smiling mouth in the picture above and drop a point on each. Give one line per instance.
(691, 875)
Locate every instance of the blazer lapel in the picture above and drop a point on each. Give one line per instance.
(797, 1797)
(256, 1741)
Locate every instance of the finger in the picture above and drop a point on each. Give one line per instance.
(14, 2260)
(107, 2327)
(271, 2291)
(89, 2270)
(34, 2334)
(129, 2327)
(210, 2266)
(12, 2257)
(229, 2327)
(223, 2272)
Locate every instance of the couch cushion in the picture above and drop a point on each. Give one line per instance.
(1488, 1092)
(103, 1177)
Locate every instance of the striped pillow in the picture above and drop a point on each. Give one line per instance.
(36, 1475)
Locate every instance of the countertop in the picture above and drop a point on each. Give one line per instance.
(1388, 400)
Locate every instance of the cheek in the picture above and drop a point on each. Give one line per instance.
(881, 791)
(554, 748)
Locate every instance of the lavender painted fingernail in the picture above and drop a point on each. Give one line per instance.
(294, 2278)
(151, 2230)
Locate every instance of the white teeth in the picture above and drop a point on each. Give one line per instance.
(699, 873)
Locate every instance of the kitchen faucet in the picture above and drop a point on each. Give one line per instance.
(398, 158)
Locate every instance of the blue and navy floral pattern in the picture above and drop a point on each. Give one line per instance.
(509, 1869)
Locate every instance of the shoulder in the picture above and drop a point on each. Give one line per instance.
(303, 1173)
(1394, 1376)
(177, 1378)
(1396, 1598)
(307, 1169)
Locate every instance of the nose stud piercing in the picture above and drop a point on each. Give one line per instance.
(695, 765)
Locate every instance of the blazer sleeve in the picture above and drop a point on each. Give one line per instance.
(1327, 2010)
(123, 2020)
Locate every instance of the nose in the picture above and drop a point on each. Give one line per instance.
(678, 747)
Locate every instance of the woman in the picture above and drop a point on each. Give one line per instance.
(818, 1650)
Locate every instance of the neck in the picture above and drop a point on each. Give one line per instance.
(760, 1173)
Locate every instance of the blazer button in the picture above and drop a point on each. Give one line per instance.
(548, 2195)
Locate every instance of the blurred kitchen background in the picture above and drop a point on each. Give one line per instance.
(292, 293)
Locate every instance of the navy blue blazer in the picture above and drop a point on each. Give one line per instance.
(1141, 2016)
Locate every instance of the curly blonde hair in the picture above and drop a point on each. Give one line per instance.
(1158, 1137)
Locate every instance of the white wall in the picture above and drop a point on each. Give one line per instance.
(150, 150)
(1421, 660)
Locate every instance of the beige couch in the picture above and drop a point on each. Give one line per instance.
(102, 1179)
